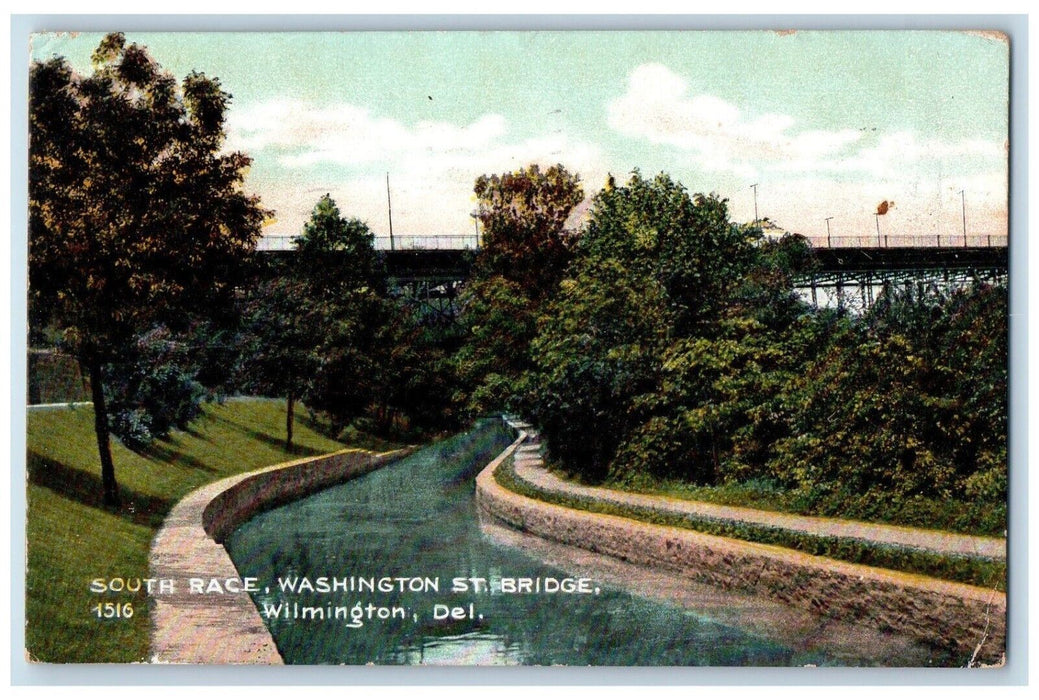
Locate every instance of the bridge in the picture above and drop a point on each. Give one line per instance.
(427, 270)
(430, 270)
(859, 266)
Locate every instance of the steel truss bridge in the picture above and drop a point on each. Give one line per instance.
(429, 271)
(430, 279)
(851, 273)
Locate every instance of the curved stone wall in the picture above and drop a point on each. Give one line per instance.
(224, 627)
(969, 619)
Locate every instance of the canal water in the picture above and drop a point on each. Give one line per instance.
(373, 564)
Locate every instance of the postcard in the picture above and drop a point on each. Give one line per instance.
(534, 348)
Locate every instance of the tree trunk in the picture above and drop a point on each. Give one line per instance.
(289, 410)
(104, 445)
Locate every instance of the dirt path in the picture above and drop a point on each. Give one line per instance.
(529, 468)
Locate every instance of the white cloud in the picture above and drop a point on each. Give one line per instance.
(302, 134)
(432, 165)
(903, 152)
(807, 175)
(658, 107)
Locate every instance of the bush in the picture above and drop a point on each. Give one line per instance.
(153, 389)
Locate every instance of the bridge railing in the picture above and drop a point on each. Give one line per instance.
(900, 241)
(278, 243)
(448, 241)
(470, 241)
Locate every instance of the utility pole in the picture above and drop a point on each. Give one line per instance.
(877, 217)
(828, 243)
(963, 206)
(755, 188)
(389, 209)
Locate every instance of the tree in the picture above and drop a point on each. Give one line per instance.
(655, 273)
(684, 241)
(280, 352)
(595, 355)
(336, 255)
(909, 399)
(136, 215)
(315, 325)
(154, 387)
(524, 252)
(500, 321)
(524, 216)
(345, 279)
(303, 318)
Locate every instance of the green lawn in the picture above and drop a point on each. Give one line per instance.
(73, 539)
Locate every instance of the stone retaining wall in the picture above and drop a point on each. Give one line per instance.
(225, 628)
(968, 619)
(284, 483)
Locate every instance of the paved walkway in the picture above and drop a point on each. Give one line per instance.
(529, 467)
(223, 626)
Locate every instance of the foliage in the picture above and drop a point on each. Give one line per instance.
(500, 321)
(347, 379)
(342, 281)
(336, 255)
(677, 348)
(909, 401)
(525, 248)
(322, 328)
(596, 358)
(652, 265)
(523, 216)
(714, 409)
(279, 343)
(686, 243)
(413, 381)
(311, 325)
(136, 213)
(132, 202)
(153, 388)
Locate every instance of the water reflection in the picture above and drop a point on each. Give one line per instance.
(417, 519)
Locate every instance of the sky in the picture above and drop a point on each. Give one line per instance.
(827, 124)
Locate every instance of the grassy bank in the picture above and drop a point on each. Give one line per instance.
(73, 538)
(976, 571)
(971, 518)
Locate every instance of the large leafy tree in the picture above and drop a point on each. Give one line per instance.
(524, 214)
(918, 387)
(595, 355)
(314, 325)
(136, 213)
(337, 255)
(653, 266)
(525, 249)
(686, 242)
(345, 279)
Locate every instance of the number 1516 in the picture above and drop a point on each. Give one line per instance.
(110, 611)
